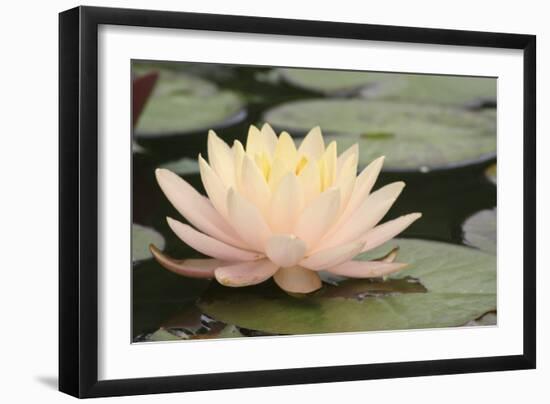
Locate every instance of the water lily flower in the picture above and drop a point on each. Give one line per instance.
(281, 211)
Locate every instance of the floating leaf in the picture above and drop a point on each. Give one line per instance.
(480, 230)
(183, 103)
(332, 82)
(412, 137)
(183, 166)
(414, 88)
(436, 89)
(491, 173)
(451, 285)
(142, 236)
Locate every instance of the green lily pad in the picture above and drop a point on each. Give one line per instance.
(182, 166)
(414, 88)
(491, 173)
(480, 230)
(183, 103)
(454, 285)
(330, 82)
(142, 236)
(436, 89)
(412, 137)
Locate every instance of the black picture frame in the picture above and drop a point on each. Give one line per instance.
(78, 200)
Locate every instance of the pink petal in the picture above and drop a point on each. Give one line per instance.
(247, 221)
(297, 280)
(332, 256)
(366, 269)
(371, 211)
(285, 250)
(195, 208)
(208, 245)
(386, 231)
(245, 273)
(192, 268)
(318, 217)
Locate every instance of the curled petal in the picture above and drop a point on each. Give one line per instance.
(245, 273)
(285, 250)
(192, 268)
(208, 245)
(197, 209)
(386, 231)
(366, 269)
(332, 256)
(297, 280)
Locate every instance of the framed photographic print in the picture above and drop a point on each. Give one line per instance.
(233, 208)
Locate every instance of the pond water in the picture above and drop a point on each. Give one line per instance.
(405, 116)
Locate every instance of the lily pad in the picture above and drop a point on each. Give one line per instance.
(183, 103)
(453, 285)
(182, 166)
(330, 82)
(491, 173)
(412, 137)
(436, 89)
(480, 230)
(414, 88)
(142, 236)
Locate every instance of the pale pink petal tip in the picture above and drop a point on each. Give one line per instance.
(191, 268)
(297, 280)
(245, 273)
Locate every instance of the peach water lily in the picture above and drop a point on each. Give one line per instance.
(281, 211)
